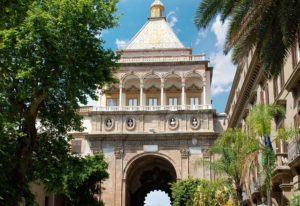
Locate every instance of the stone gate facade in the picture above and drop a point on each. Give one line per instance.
(157, 121)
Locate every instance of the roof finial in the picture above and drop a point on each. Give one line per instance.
(157, 9)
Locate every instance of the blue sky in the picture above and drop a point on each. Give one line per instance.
(180, 15)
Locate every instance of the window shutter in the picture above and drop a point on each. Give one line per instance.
(76, 146)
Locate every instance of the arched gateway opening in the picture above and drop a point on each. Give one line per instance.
(146, 174)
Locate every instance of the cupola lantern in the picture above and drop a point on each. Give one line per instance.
(157, 9)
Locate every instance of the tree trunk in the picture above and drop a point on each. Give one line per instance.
(239, 192)
(27, 145)
(269, 197)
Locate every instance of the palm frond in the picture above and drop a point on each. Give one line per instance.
(269, 26)
(206, 12)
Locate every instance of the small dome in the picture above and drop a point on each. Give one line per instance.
(157, 9)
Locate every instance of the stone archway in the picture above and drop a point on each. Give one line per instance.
(146, 174)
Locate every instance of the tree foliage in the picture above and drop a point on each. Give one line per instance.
(269, 27)
(231, 149)
(51, 60)
(201, 192)
(295, 200)
(78, 178)
(259, 121)
(261, 116)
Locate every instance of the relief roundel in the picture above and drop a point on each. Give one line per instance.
(195, 122)
(109, 123)
(130, 123)
(173, 123)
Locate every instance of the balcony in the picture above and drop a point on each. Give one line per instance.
(144, 108)
(162, 59)
(294, 153)
(282, 170)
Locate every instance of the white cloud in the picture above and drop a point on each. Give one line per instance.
(223, 73)
(220, 30)
(172, 18)
(103, 32)
(224, 70)
(201, 35)
(121, 44)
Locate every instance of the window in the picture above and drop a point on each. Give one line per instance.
(172, 101)
(282, 78)
(275, 87)
(194, 101)
(112, 102)
(132, 102)
(296, 52)
(46, 201)
(294, 56)
(262, 99)
(267, 93)
(298, 48)
(152, 102)
(297, 120)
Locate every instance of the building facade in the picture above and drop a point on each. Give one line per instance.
(157, 120)
(249, 88)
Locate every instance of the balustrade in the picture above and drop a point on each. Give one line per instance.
(145, 108)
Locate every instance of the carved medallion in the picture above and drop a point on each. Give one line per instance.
(173, 123)
(195, 122)
(109, 123)
(130, 123)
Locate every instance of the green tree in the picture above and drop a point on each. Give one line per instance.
(77, 178)
(201, 192)
(269, 27)
(259, 120)
(51, 60)
(231, 149)
(183, 191)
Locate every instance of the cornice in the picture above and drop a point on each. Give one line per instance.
(146, 136)
(152, 112)
(205, 62)
(253, 75)
(293, 82)
(233, 87)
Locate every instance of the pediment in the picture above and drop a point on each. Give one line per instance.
(112, 89)
(133, 89)
(193, 87)
(173, 88)
(152, 89)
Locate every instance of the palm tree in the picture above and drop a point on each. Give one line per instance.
(232, 148)
(259, 120)
(269, 26)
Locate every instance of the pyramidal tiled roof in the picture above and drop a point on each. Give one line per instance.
(155, 34)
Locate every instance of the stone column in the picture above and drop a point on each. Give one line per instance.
(162, 104)
(185, 153)
(141, 96)
(183, 94)
(204, 94)
(120, 97)
(119, 153)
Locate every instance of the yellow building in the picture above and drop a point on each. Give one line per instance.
(250, 87)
